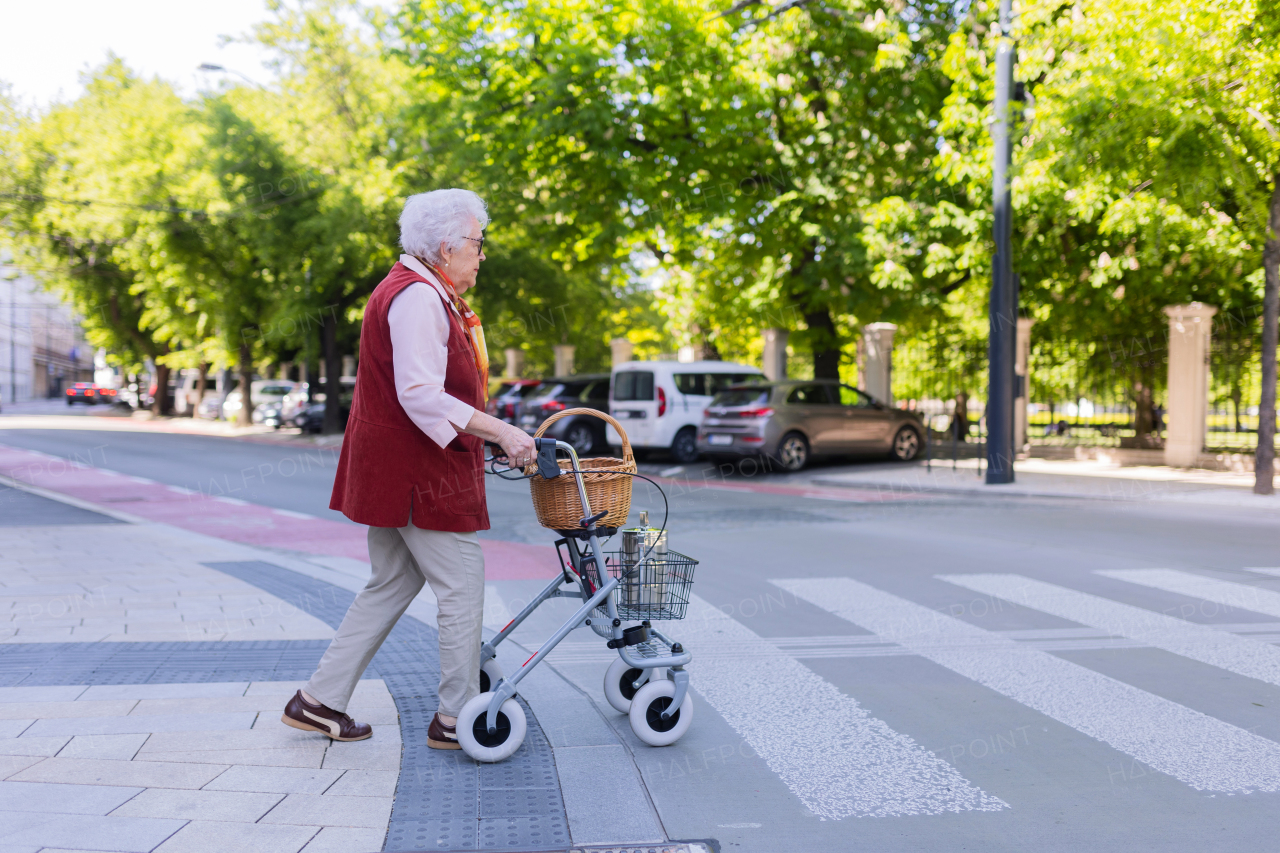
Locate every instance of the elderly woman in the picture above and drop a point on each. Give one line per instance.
(412, 465)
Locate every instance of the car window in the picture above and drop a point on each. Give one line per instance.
(275, 389)
(717, 382)
(854, 397)
(691, 383)
(599, 391)
(742, 397)
(633, 385)
(534, 390)
(809, 395)
(573, 389)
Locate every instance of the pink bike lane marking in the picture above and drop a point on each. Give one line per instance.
(237, 520)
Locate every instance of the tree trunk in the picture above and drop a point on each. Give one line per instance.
(960, 417)
(825, 344)
(332, 372)
(245, 417)
(202, 383)
(1144, 411)
(163, 403)
(1264, 461)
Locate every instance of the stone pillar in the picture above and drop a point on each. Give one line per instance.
(1021, 382)
(878, 357)
(775, 353)
(1190, 328)
(564, 359)
(621, 349)
(515, 363)
(349, 367)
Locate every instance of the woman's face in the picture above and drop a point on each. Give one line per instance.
(462, 264)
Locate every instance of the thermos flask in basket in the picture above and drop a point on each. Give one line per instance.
(645, 547)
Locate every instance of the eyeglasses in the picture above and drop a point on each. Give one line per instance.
(480, 240)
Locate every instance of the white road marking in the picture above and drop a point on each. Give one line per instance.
(838, 759)
(180, 490)
(1240, 655)
(288, 513)
(1205, 753)
(1226, 593)
(143, 480)
(238, 502)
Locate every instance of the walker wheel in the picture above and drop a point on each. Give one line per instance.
(490, 674)
(617, 684)
(646, 714)
(473, 732)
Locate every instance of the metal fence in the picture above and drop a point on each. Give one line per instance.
(1082, 392)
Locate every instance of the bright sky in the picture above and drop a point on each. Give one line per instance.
(45, 45)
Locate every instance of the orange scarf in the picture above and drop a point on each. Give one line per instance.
(475, 331)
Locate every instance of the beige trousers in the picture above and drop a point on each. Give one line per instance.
(403, 559)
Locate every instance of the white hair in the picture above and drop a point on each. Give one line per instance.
(440, 216)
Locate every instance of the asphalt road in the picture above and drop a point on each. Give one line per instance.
(866, 681)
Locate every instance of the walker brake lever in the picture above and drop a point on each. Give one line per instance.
(548, 467)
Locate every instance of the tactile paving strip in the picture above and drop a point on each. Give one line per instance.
(444, 800)
(41, 664)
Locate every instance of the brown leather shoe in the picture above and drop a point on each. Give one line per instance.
(440, 736)
(301, 714)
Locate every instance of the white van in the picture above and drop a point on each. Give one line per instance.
(660, 403)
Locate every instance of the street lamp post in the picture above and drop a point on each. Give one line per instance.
(1002, 341)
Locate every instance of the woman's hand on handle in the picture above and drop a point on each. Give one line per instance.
(515, 442)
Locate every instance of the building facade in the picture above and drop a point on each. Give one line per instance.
(42, 345)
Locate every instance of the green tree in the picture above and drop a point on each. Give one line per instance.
(83, 185)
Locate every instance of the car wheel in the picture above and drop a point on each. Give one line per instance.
(906, 445)
(685, 447)
(793, 452)
(582, 438)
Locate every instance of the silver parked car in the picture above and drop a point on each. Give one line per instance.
(794, 421)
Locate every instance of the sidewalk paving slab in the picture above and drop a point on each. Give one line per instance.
(121, 834)
(119, 747)
(47, 797)
(204, 836)
(275, 780)
(341, 839)
(147, 723)
(143, 774)
(236, 806)
(40, 746)
(331, 810)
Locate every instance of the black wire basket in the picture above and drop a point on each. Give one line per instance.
(655, 588)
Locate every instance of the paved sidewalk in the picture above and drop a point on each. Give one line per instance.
(113, 626)
(1057, 479)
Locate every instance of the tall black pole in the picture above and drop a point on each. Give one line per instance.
(1002, 341)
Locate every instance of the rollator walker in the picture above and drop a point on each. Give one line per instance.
(648, 681)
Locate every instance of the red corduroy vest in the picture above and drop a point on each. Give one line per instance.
(388, 466)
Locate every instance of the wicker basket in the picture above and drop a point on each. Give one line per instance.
(606, 480)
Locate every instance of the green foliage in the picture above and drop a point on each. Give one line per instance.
(679, 176)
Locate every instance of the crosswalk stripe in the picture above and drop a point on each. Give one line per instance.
(838, 759)
(1231, 595)
(1236, 654)
(1201, 751)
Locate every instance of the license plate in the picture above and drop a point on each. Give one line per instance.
(720, 439)
(527, 420)
(626, 414)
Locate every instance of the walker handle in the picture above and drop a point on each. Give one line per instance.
(548, 467)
